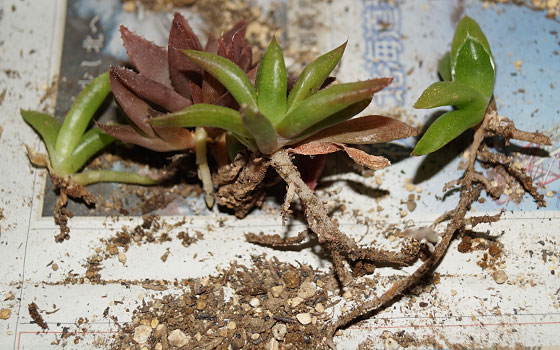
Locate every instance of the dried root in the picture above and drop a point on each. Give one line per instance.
(471, 185)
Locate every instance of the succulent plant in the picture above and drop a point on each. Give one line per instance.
(70, 146)
(307, 120)
(169, 81)
(469, 73)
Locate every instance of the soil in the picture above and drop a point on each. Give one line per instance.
(268, 304)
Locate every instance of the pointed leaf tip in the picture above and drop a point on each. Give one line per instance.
(228, 73)
(313, 76)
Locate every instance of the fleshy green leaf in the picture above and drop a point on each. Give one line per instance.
(90, 143)
(444, 67)
(325, 103)
(228, 73)
(467, 28)
(451, 93)
(272, 83)
(47, 126)
(446, 128)
(471, 58)
(313, 76)
(333, 120)
(261, 129)
(202, 114)
(79, 116)
(474, 67)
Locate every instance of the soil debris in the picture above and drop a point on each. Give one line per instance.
(34, 313)
(5, 314)
(224, 314)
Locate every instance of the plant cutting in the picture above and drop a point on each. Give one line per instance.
(70, 147)
(469, 74)
(272, 124)
(167, 81)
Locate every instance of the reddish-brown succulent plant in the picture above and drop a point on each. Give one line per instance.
(167, 81)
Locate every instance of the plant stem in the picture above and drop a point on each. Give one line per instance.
(94, 176)
(201, 138)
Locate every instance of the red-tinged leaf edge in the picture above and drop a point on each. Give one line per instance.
(181, 69)
(127, 133)
(365, 130)
(148, 58)
(138, 111)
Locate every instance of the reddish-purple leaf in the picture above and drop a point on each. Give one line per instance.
(150, 90)
(238, 29)
(365, 130)
(181, 69)
(147, 57)
(212, 44)
(252, 73)
(196, 92)
(212, 89)
(127, 133)
(136, 109)
(245, 59)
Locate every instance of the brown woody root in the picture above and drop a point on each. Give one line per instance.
(339, 245)
(471, 187)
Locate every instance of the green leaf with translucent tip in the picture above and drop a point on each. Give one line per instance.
(446, 128)
(261, 129)
(471, 58)
(92, 142)
(228, 74)
(451, 93)
(94, 176)
(272, 83)
(79, 116)
(326, 103)
(474, 67)
(467, 28)
(444, 67)
(202, 114)
(313, 76)
(47, 126)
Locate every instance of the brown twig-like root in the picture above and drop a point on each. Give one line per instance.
(339, 245)
(471, 184)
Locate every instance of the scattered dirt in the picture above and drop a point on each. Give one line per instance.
(552, 8)
(152, 230)
(34, 313)
(269, 304)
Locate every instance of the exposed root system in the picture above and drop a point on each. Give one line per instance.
(344, 249)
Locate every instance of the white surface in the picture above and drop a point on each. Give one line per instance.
(27, 245)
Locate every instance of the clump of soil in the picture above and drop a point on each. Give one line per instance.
(269, 304)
